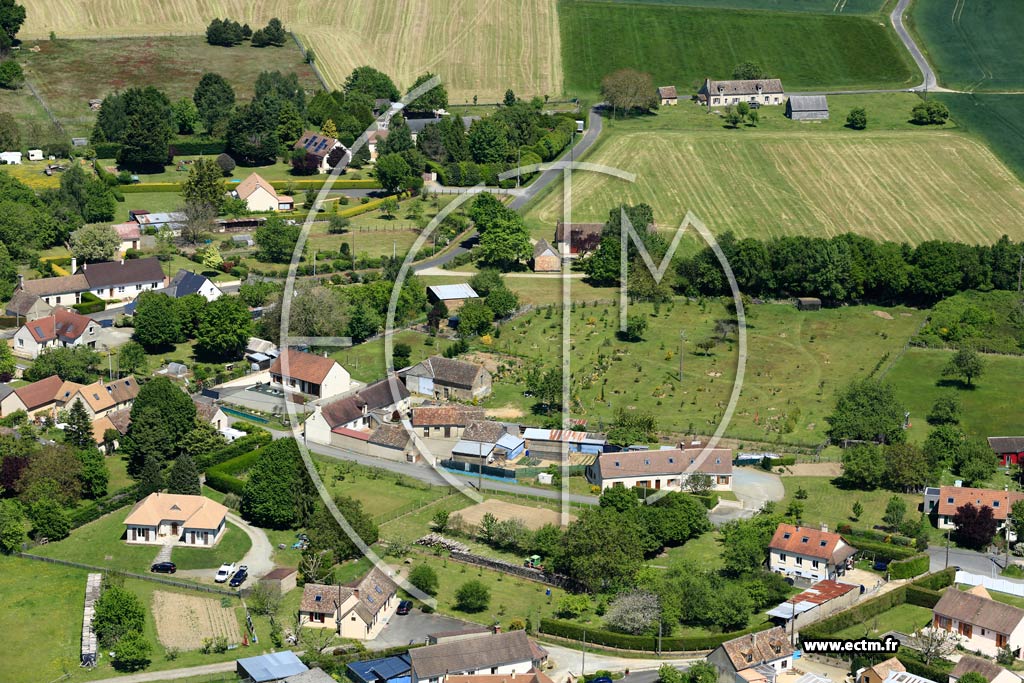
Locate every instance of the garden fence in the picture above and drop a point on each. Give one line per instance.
(143, 577)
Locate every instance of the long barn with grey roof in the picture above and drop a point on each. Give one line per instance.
(807, 107)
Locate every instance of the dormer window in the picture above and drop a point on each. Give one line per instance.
(671, 461)
(718, 461)
(786, 535)
(804, 539)
(749, 656)
(647, 461)
(823, 544)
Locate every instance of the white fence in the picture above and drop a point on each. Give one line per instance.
(990, 583)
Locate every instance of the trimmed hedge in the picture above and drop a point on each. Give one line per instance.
(256, 438)
(107, 150)
(90, 304)
(911, 567)
(317, 183)
(223, 477)
(191, 148)
(90, 511)
(359, 209)
(914, 665)
(938, 580)
(624, 641)
(922, 597)
(887, 551)
(150, 187)
(225, 483)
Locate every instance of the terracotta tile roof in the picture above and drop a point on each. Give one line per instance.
(100, 427)
(40, 393)
(128, 231)
(63, 324)
(447, 371)
(822, 592)
(810, 542)
(57, 285)
(373, 591)
(253, 183)
(1001, 444)
(308, 367)
(124, 272)
(757, 648)
(978, 610)
(320, 598)
(451, 415)
(668, 461)
(471, 654)
(971, 664)
(123, 390)
(953, 497)
(195, 512)
(883, 669)
(96, 395)
(279, 573)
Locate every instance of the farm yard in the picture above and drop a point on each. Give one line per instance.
(807, 51)
(973, 46)
(184, 621)
(888, 186)
(479, 49)
(66, 76)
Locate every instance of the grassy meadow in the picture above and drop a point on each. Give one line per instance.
(479, 49)
(68, 73)
(973, 46)
(897, 182)
(996, 120)
(681, 46)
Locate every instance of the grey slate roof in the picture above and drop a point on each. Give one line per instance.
(969, 664)
(768, 86)
(667, 92)
(471, 654)
(1006, 444)
(390, 436)
(184, 283)
(541, 247)
(485, 431)
(21, 303)
(447, 371)
(127, 272)
(800, 103)
(978, 611)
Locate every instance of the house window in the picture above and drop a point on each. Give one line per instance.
(21, 342)
(799, 561)
(814, 564)
(995, 503)
(138, 288)
(966, 630)
(785, 663)
(316, 617)
(782, 557)
(766, 99)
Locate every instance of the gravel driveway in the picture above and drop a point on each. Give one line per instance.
(754, 488)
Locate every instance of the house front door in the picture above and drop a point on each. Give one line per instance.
(192, 537)
(174, 529)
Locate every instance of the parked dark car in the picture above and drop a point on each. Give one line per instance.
(164, 568)
(240, 576)
(881, 566)
(404, 606)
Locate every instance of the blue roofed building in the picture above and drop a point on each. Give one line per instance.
(396, 669)
(275, 666)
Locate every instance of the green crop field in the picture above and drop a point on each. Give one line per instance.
(815, 6)
(995, 119)
(972, 44)
(682, 45)
(991, 408)
(895, 184)
(478, 48)
(68, 73)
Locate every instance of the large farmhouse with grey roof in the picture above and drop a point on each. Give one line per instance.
(492, 653)
(112, 280)
(448, 378)
(762, 91)
(807, 107)
(669, 468)
(983, 624)
(357, 610)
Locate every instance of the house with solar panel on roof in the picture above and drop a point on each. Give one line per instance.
(357, 610)
(319, 146)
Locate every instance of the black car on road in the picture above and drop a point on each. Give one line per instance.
(240, 576)
(404, 606)
(164, 568)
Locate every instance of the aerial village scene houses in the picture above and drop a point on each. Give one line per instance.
(362, 343)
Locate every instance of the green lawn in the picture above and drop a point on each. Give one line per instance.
(117, 467)
(101, 544)
(413, 525)
(381, 493)
(154, 202)
(991, 408)
(996, 120)
(971, 45)
(815, 6)
(807, 51)
(905, 618)
(705, 552)
(66, 75)
(365, 361)
(827, 503)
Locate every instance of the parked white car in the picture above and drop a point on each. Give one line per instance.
(225, 572)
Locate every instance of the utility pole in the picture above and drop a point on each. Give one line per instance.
(947, 547)
(583, 666)
(682, 340)
(660, 622)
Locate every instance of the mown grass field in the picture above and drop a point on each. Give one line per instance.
(888, 184)
(825, 503)
(68, 73)
(996, 120)
(816, 6)
(478, 48)
(905, 618)
(971, 44)
(991, 408)
(683, 45)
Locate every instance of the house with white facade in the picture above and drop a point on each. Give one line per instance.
(130, 234)
(62, 328)
(983, 624)
(167, 518)
(308, 373)
(259, 195)
(112, 280)
(318, 146)
(667, 468)
(753, 658)
(760, 91)
(490, 653)
(809, 553)
(358, 610)
(941, 503)
(384, 401)
(186, 282)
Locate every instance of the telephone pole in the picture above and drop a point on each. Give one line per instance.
(682, 340)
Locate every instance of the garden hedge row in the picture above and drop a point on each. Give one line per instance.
(880, 536)
(359, 209)
(922, 597)
(150, 187)
(256, 438)
(623, 641)
(317, 182)
(90, 304)
(911, 567)
(938, 580)
(190, 148)
(886, 551)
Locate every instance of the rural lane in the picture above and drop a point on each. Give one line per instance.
(930, 82)
(568, 660)
(172, 674)
(525, 196)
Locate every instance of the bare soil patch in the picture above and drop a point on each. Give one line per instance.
(882, 314)
(184, 621)
(817, 469)
(533, 518)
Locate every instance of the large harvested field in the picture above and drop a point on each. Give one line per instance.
(889, 186)
(972, 44)
(478, 48)
(683, 45)
(532, 517)
(67, 76)
(184, 620)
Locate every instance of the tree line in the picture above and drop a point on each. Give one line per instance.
(229, 33)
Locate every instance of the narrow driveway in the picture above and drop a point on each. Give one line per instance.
(406, 629)
(259, 559)
(172, 674)
(568, 660)
(971, 561)
(753, 487)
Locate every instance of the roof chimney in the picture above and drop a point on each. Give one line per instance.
(21, 281)
(122, 262)
(74, 265)
(824, 527)
(355, 592)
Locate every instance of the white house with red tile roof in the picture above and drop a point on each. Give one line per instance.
(63, 327)
(308, 373)
(260, 195)
(816, 554)
(952, 498)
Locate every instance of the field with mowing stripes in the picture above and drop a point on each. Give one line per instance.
(972, 44)
(995, 119)
(682, 45)
(886, 185)
(815, 6)
(478, 47)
